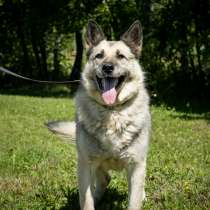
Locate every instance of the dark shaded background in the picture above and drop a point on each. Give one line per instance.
(43, 39)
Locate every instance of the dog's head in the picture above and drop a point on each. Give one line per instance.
(112, 74)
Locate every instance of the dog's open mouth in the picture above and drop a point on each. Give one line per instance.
(109, 87)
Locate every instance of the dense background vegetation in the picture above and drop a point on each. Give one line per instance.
(43, 39)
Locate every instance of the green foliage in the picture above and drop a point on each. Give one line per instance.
(176, 47)
(37, 38)
(37, 171)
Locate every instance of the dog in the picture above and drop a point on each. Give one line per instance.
(112, 116)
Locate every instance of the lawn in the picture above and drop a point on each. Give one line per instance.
(38, 171)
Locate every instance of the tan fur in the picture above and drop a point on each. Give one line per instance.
(112, 136)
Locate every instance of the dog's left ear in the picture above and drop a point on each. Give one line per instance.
(133, 37)
(94, 33)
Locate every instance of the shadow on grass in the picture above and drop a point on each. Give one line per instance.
(187, 108)
(72, 196)
(112, 200)
(40, 90)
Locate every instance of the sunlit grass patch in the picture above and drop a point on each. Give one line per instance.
(38, 171)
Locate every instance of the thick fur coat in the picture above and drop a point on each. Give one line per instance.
(113, 118)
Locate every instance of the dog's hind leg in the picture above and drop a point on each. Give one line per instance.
(102, 179)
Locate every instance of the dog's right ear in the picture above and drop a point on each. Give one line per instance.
(94, 33)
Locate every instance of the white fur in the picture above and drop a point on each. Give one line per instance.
(111, 137)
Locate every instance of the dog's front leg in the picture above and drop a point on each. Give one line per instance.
(85, 185)
(136, 179)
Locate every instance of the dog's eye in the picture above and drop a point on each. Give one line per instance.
(99, 55)
(120, 56)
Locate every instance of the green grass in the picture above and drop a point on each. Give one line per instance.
(38, 171)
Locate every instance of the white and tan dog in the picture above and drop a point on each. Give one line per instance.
(113, 118)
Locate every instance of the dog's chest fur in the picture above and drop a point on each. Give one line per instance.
(111, 131)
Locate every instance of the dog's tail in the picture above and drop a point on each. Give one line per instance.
(65, 130)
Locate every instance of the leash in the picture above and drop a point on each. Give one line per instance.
(6, 71)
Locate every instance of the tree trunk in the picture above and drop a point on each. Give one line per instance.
(145, 16)
(43, 58)
(184, 49)
(56, 59)
(75, 73)
(36, 53)
(21, 35)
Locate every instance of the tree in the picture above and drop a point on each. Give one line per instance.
(35, 34)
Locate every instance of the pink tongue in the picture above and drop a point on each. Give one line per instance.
(109, 96)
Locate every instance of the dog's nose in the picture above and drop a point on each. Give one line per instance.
(107, 68)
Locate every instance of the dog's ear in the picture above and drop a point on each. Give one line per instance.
(133, 37)
(94, 33)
